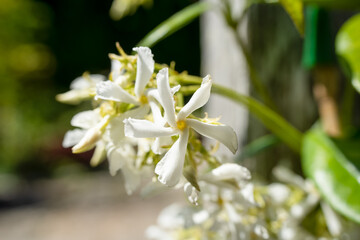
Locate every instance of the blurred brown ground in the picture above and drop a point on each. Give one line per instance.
(89, 207)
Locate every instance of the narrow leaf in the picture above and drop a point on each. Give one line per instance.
(174, 23)
(295, 10)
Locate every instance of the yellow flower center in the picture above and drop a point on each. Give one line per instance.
(181, 125)
(143, 99)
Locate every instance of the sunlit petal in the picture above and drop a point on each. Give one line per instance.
(132, 179)
(86, 82)
(145, 68)
(228, 171)
(145, 129)
(198, 99)
(85, 119)
(116, 126)
(158, 119)
(110, 91)
(221, 133)
(99, 154)
(171, 165)
(166, 97)
(73, 137)
(160, 142)
(118, 157)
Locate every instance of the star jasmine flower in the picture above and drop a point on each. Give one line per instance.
(169, 169)
(90, 127)
(112, 91)
(82, 88)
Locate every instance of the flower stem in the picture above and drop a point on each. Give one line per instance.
(274, 122)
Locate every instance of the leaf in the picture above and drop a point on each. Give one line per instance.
(348, 47)
(295, 10)
(273, 121)
(174, 23)
(343, 4)
(335, 176)
(258, 145)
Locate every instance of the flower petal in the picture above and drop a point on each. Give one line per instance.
(158, 119)
(108, 90)
(145, 129)
(171, 165)
(228, 171)
(198, 99)
(118, 157)
(132, 179)
(85, 119)
(191, 193)
(159, 143)
(221, 133)
(73, 137)
(145, 68)
(99, 154)
(166, 97)
(86, 82)
(115, 69)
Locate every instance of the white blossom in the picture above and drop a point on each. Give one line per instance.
(169, 169)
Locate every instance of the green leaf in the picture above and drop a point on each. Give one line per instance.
(174, 23)
(273, 121)
(348, 47)
(343, 4)
(258, 145)
(337, 179)
(295, 10)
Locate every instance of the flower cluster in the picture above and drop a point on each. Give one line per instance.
(138, 123)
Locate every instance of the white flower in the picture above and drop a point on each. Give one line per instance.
(82, 88)
(112, 91)
(169, 169)
(88, 134)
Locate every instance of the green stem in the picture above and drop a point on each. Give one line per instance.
(274, 122)
(253, 75)
(174, 23)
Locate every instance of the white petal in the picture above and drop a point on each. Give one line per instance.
(74, 96)
(261, 231)
(145, 129)
(158, 119)
(86, 82)
(85, 119)
(116, 127)
(110, 91)
(99, 154)
(145, 68)
(73, 137)
(198, 99)
(115, 69)
(166, 97)
(332, 220)
(171, 165)
(88, 141)
(191, 193)
(91, 136)
(228, 171)
(132, 179)
(160, 142)
(175, 89)
(221, 133)
(118, 157)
